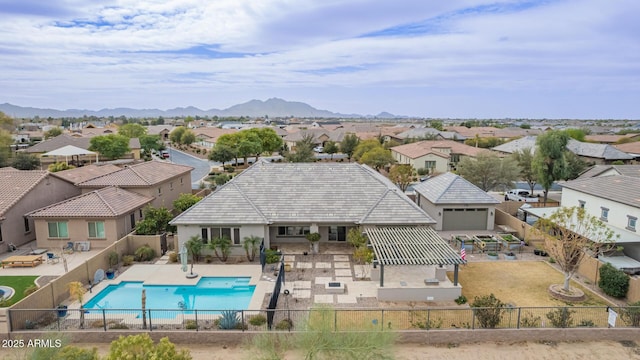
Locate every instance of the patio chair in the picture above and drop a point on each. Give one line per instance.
(69, 248)
(52, 258)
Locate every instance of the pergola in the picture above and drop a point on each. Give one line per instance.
(70, 150)
(405, 245)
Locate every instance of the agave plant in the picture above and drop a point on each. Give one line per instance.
(229, 320)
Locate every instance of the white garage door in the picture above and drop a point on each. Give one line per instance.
(464, 219)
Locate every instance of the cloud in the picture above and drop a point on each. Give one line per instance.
(180, 52)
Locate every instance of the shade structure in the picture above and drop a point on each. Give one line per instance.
(70, 150)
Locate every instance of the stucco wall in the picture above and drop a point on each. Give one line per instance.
(78, 231)
(433, 211)
(49, 191)
(617, 212)
(184, 232)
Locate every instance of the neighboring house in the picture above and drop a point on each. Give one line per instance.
(282, 202)
(208, 136)
(81, 142)
(100, 217)
(589, 152)
(23, 191)
(320, 137)
(608, 170)
(611, 139)
(159, 180)
(162, 130)
(455, 203)
(632, 148)
(489, 131)
(437, 156)
(614, 200)
(84, 173)
(417, 133)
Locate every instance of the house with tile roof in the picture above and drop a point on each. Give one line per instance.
(82, 142)
(99, 217)
(439, 156)
(632, 148)
(282, 202)
(589, 152)
(159, 180)
(22, 191)
(85, 173)
(455, 203)
(609, 170)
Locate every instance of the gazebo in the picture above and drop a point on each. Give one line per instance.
(70, 150)
(404, 245)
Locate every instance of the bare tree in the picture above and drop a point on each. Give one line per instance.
(569, 234)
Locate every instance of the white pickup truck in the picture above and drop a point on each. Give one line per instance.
(519, 195)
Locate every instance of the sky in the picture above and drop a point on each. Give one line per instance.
(452, 59)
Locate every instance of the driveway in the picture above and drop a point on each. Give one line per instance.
(201, 167)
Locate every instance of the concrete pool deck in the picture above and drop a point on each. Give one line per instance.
(172, 274)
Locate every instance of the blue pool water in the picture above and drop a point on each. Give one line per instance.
(210, 293)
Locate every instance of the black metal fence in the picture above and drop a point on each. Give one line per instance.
(273, 302)
(263, 256)
(334, 319)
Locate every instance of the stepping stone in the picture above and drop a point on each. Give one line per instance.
(304, 265)
(289, 258)
(323, 265)
(321, 280)
(340, 257)
(347, 299)
(344, 279)
(342, 265)
(302, 294)
(343, 272)
(323, 299)
(302, 284)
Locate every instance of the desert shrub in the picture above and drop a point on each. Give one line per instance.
(488, 310)
(285, 324)
(145, 253)
(228, 320)
(190, 325)
(461, 300)
(561, 317)
(427, 324)
(613, 282)
(528, 320)
(422, 171)
(142, 347)
(587, 323)
(173, 257)
(127, 260)
(30, 290)
(258, 320)
(272, 256)
(631, 314)
(119, 326)
(70, 352)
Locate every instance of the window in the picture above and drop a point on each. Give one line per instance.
(26, 225)
(96, 229)
(604, 214)
(171, 185)
(337, 233)
(140, 213)
(631, 222)
(293, 230)
(132, 217)
(181, 182)
(230, 233)
(429, 164)
(455, 158)
(236, 236)
(205, 235)
(58, 230)
(159, 191)
(1, 240)
(581, 203)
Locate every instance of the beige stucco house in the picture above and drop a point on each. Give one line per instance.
(98, 217)
(438, 156)
(22, 191)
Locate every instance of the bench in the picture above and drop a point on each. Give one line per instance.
(22, 261)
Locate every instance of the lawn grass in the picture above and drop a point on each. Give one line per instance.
(520, 283)
(19, 284)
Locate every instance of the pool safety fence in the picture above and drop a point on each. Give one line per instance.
(273, 302)
(61, 320)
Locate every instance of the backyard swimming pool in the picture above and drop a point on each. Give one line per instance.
(210, 293)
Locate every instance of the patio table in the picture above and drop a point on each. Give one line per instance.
(22, 260)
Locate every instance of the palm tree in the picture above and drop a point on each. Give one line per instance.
(250, 246)
(222, 243)
(194, 248)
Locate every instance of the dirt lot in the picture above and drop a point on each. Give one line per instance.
(561, 351)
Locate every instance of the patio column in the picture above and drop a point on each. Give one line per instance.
(455, 275)
(381, 275)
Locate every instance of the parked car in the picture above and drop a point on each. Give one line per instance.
(519, 195)
(318, 149)
(164, 154)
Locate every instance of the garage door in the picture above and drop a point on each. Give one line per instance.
(464, 219)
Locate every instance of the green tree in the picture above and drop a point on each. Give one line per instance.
(25, 161)
(194, 248)
(570, 231)
(576, 134)
(187, 137)
(524, 158)
(330, 147)
(176, 135)
(304, 150)
(132, 130)
(402, 175)
(224, 245)
(377, 158)
(53, 132)
(110, 146)
(6, 123)
(222, 153)
(156, 221)
(5, 143)
(142, 347)
(59, 166)
(525, 126)
(349, 144)
(251, 245)
(249, 144)
(549, 162)
(613, 282)
(230, 141)
(436, 124)
(365, 146)
(270, 141)
(150, 142)
(488, 171)
(575, 165)
(185, 201)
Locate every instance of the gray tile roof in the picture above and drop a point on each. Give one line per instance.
(306, 192)
(108, 202)
(622, 189)
(64, 140)
(598, 151)
(15, 184)
(449, 188)
(598, 170)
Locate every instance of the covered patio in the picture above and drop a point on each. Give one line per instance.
(419, 248)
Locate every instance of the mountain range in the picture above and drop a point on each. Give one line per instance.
(273, 107)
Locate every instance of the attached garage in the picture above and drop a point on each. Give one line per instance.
(456, 204)
(464, 219)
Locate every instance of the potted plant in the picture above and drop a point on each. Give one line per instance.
(313, 238)
(113, 259)
(510, 255)
(492, 255)
(62, 310)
